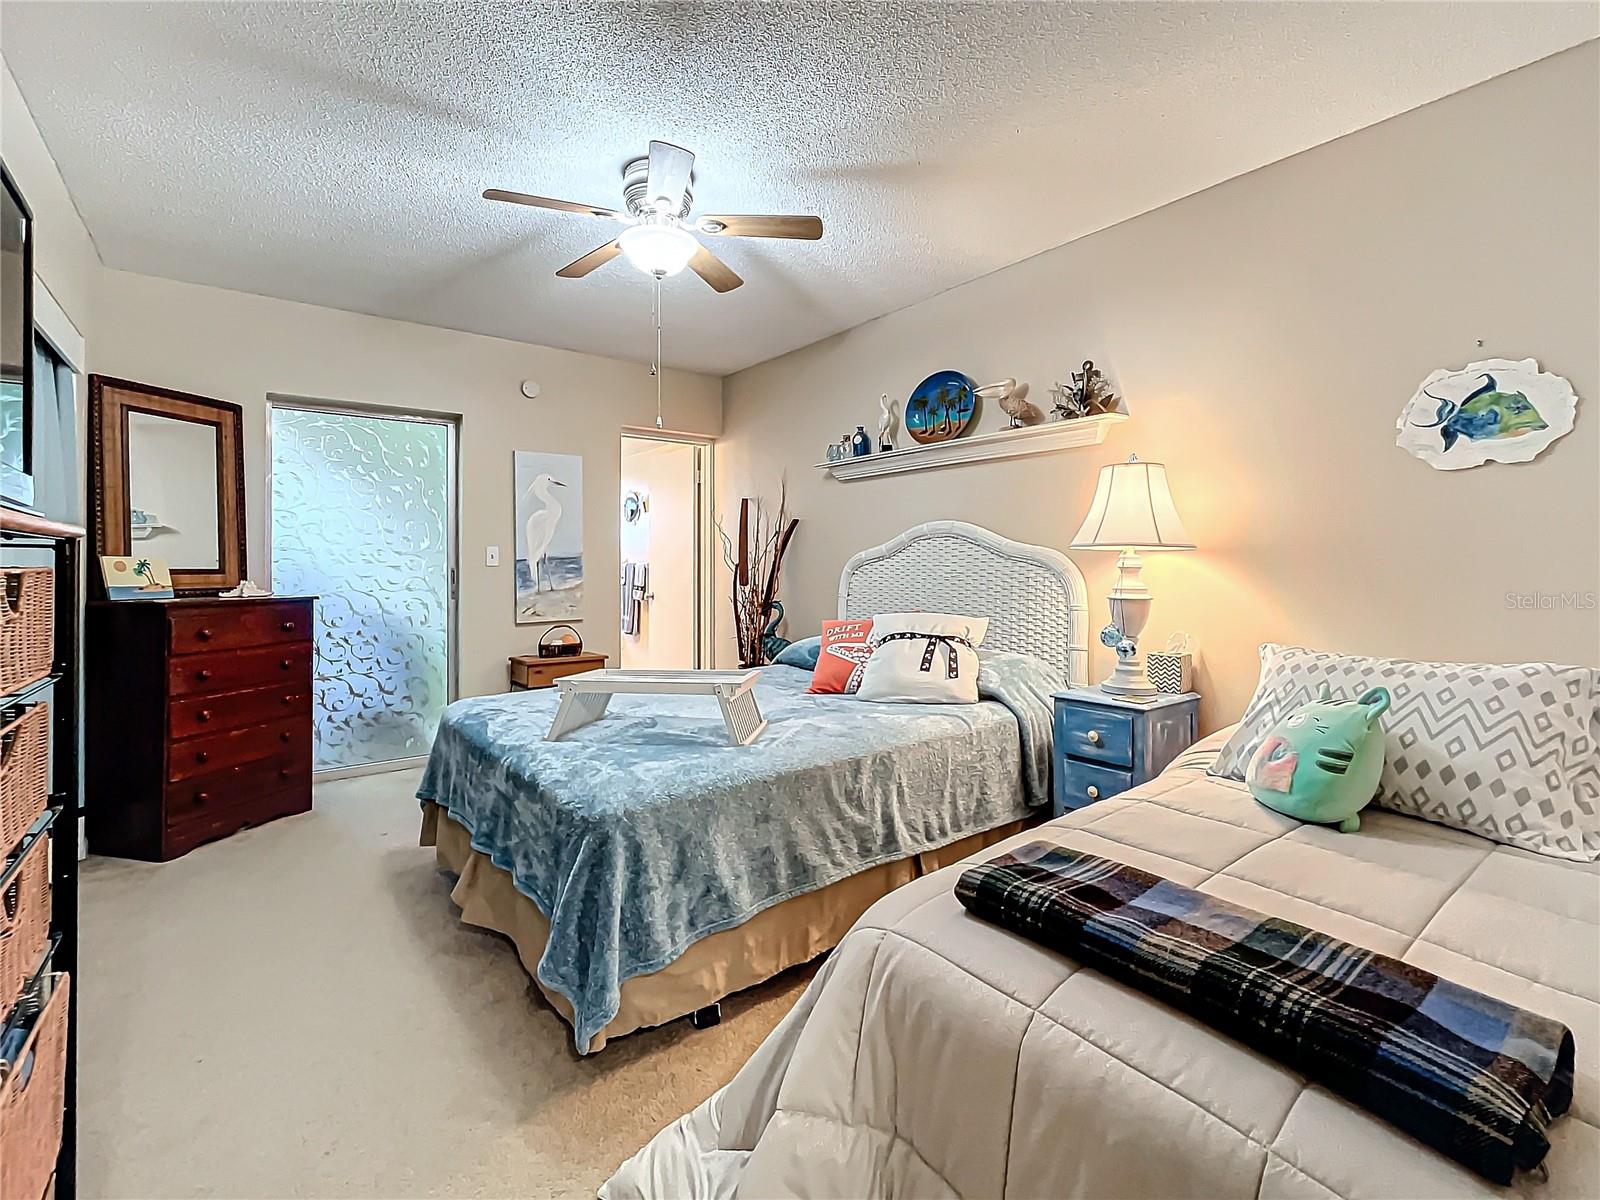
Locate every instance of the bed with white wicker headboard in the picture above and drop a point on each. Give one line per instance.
(1034, 597)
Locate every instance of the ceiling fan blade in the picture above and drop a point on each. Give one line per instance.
(587, 210)
(668, 178)
(714, 271)
(806, 228)
(598, 257)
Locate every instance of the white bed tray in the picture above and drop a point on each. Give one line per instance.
(584, 697)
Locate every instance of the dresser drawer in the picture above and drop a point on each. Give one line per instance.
(1095, 734)
(209, 824)
(214, 751)
(196, 674)
(227, 628)
(229, 710)
(216, 792)
(1081, 783)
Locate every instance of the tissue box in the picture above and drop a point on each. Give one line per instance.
(1171, 673)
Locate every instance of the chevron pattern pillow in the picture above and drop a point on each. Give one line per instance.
(1511, 753)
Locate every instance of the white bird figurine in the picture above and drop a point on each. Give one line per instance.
(885, 424)
(540, 526)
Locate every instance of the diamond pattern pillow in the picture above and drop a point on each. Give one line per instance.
(1511, 753)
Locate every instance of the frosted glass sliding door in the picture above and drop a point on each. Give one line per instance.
(363, 518)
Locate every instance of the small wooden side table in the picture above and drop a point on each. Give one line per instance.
(529, 671)
(1106, 744)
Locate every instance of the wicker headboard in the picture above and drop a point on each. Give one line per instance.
(1034, 597)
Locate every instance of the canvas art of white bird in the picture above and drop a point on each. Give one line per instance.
(540, 526)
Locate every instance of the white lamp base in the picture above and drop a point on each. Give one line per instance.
(1130, 604)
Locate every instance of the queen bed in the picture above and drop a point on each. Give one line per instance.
(936, 1054)
(645, 868)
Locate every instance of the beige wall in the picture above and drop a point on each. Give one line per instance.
(664, 537)
(1266, 333)
(239, 347)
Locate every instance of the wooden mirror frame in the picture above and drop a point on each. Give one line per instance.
(110, 402)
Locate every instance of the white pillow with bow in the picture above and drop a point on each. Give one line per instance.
(923, 658)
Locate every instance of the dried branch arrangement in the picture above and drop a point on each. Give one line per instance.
(754, 556)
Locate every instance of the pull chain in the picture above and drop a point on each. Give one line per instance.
(656, 367)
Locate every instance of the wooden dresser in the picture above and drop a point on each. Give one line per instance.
(198, 720)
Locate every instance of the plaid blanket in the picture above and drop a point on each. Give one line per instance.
(1471, 1076)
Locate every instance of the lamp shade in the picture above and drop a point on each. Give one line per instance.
(658, 249)
(1132, 510)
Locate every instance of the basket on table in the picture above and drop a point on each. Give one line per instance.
(27, 625)
(24, 772)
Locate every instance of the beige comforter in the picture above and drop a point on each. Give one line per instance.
(936, 1055)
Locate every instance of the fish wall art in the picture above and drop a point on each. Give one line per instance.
(1491, 411)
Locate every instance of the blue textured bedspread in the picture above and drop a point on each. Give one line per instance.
(646, 831)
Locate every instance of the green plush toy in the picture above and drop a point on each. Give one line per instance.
(1321, 763)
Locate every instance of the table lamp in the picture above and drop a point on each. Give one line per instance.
(1132, 510)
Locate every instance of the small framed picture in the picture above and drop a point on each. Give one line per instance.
(135, 577)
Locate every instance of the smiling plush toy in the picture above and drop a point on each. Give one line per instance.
(1321, 763)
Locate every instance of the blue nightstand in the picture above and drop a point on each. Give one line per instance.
(1107, 744)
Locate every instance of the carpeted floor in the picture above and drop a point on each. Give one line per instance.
(296, 1011)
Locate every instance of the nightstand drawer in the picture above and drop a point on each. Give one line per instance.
(1081, 783)
(1095, 733)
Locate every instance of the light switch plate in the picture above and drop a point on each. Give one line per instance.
(491, 556)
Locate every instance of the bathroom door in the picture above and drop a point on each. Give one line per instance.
(364, 518)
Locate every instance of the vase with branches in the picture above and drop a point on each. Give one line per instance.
(753, 554)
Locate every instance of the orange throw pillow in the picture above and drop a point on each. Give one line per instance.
(844, 653)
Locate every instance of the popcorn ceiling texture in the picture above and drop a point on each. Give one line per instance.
(334, 154)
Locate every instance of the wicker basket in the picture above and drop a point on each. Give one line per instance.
(27, 625)
(32, 1100)
(24, 773)
(24, 925)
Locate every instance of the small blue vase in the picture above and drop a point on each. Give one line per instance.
(861, 443)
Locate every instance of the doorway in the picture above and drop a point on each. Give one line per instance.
(664, 511)
(363, 516)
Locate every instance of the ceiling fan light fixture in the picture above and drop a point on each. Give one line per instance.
(658, 249)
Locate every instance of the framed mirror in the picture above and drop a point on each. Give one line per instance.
(168, 481)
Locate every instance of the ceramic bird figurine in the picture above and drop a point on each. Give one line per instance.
(885, 424)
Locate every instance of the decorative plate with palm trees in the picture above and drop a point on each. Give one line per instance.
(941, 406)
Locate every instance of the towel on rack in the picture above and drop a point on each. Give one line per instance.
(634, 578)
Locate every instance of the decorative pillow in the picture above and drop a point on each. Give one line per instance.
(924, 658)
(1510, 753)
(844, 653)
(802, 654)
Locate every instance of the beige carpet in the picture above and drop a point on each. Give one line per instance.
(297, 1012)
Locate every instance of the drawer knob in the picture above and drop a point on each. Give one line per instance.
(1094, 737)
(203, 634)
(283, 772)
(202, 797)
(1092, 792)
(285, 736)
(204, 756)
(202, 674)
(285, 665)
(288, 699)
(203, 715)
(287, 627)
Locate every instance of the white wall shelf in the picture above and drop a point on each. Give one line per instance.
(1045, 438)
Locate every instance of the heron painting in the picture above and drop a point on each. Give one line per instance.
(549, 533)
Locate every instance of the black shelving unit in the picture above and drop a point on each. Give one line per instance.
(61, 820)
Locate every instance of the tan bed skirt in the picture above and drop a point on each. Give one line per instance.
(783, 936)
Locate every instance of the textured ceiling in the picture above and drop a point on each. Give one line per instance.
(335, 153)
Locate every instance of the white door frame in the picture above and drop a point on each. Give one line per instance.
(705, 532)
(452, 424)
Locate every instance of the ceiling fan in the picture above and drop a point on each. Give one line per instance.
(657, 197)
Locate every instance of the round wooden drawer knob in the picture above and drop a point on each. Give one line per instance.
(1094, 737)
(287, 627)
(285, 665)
(288, 699)
(1092, 792)
(202, 797)
(283, 772)
(202, 675)
(285, 736)
(203, 715)
(204, 756)
(203, 634)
